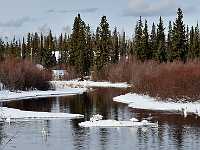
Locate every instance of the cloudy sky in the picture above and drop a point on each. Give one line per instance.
(17, 17)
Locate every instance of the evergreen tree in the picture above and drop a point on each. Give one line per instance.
(145, 43)
(169, 42)
(180, 50)
(105, 43)
(89, 57)
(161, 51)
(78, 46)
(123, 45)
(191, 53)
(153, 42)
(196, 40)
(115, 47)
(2, 50)
(139, 51)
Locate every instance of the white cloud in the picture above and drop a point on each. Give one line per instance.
(16, 22)
(153, 7)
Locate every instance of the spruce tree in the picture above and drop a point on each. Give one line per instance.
(161, 51)
(115, 47)
(105, 43)
(180, 50)
(196, 42)
(23, 50)
(169, 42)
(145, 43)
(78, 46)
(139, 51)
(123, 45)
(153, 42)
(191, 52)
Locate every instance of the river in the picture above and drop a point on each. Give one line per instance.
(174, 131)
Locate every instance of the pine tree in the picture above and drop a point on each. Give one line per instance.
(105, 43)
(115, 47)
(48, 56)
(145, 43)
(89, 57)
(28, 52)
(123, 45)
(180, 50)
(139, 51)
(161, 51)
(191, 53)
(196, 42)
(23, 50)
(169, 42)
(2, 50)
(78, 46)
(153, 42)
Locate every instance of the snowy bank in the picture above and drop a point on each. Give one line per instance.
(96, 121)
(13, 114)
(87, 84)
(148, 103)
(6, 95)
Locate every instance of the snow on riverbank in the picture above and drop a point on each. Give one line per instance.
(145, 102)
(12, 114)
(6, 95)
(87, 84)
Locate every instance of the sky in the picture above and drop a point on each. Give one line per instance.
(18, 17)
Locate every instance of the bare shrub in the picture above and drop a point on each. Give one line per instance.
(23, 75)
(70, 73)
(168, 80)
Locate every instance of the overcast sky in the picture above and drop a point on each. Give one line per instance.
(17, 17)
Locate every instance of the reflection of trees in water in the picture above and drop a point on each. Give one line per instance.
(104, 138)
(178, 136)
(2, 134)
(41, 104)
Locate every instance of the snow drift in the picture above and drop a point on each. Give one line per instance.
(13, 114)
(145, 102)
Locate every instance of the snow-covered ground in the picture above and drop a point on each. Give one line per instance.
(6, 95)
(145, 102)
(115, 123)
(10, 114)
(87, 84)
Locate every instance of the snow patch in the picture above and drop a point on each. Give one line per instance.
(87, 84)
(145, 102)
(6, 95)
(13, 114)
(115, 123)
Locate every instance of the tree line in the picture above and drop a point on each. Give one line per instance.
(86, 50)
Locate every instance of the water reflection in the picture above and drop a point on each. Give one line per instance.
(174, 132)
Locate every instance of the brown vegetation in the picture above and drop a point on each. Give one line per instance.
(167, 80)
(18, 74)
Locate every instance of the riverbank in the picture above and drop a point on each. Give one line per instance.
(10, 114)
(88, 84)
(6, 95)
(144, 102)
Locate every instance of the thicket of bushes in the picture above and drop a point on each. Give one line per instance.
(18, 74)
(166, 80)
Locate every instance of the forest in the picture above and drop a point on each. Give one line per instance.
(152, 60)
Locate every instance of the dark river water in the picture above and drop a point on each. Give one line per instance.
(174, 131)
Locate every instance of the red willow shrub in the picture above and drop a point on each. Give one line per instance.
(164, 81)
(18, 74)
